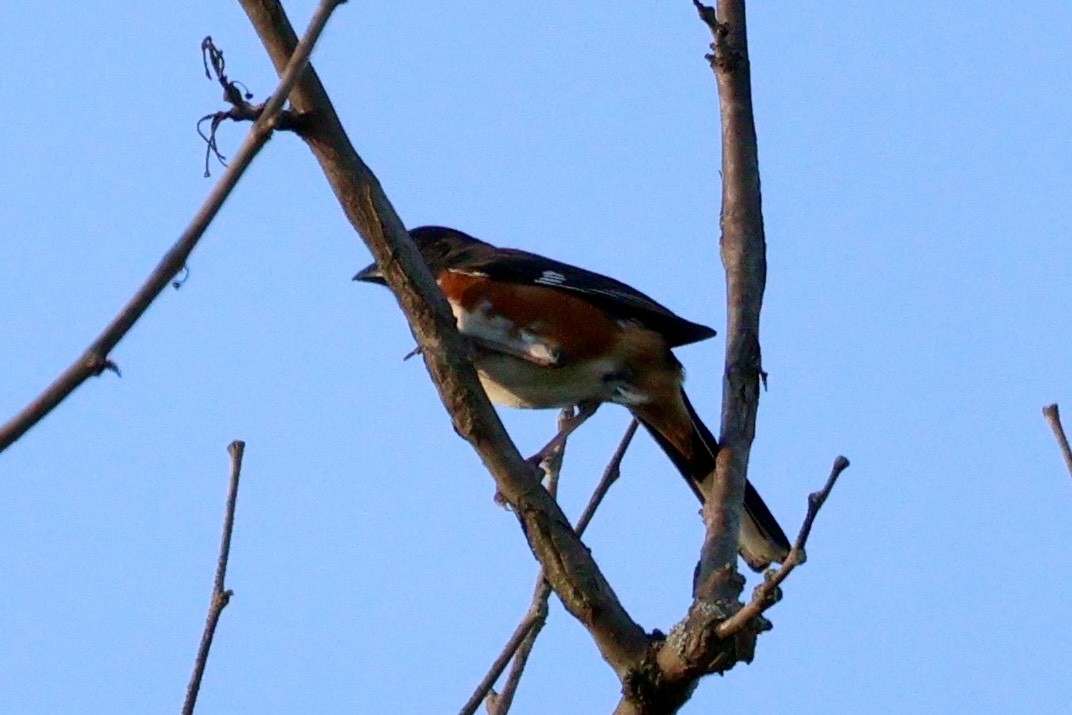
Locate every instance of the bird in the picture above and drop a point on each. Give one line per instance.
(546, 334)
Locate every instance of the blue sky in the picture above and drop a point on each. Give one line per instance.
(916, 180)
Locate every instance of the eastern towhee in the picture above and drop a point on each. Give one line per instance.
(548, 334)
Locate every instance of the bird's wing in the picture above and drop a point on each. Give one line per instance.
(613, 296)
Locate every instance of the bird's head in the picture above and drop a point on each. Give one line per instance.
(440, 247)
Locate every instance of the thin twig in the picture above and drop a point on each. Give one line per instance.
(536, 616)
(503, 659)
(533, 620)
(499, 703)
(237, 96)
(221, 595)
(1054, 418)
(766, 594)
(610, 475)
(96, 359)
(499, 665)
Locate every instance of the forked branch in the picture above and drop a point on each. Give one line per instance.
(532, 622)
(702, 643)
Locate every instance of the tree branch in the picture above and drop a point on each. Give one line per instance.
(95, 359)
(568, 565)
(1054, 418)
(498, 703)
(694, 646)
(524, 635)
(709, 640)
(610, 476)
(537, 613)
(221, 595)
(767, 593)
(744, 259)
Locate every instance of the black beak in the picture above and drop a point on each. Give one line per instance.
(371, 274)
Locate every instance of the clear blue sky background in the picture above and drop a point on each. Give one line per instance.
(916, 173)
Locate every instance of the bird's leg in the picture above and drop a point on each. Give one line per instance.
(584, 410)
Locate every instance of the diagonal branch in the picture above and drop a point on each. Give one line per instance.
(1054, 418)
(767, 593)
(610, 476)
(95, 360)
(568, 565)
(221, 595)
(710, 640)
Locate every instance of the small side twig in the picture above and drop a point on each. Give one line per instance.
(710, 18)
(552, 460)
(221, 596)
(238, 96)
(767, 593)
(524, 636)
(234, 94)
(1053, 416)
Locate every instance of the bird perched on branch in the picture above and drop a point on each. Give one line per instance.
(547, 334)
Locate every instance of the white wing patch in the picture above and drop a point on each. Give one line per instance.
(494, 332)
(551, 278)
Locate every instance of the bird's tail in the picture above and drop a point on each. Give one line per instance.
(692, 448)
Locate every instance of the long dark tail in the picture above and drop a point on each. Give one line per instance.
(692, 448)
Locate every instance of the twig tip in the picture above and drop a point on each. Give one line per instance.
(236, 448)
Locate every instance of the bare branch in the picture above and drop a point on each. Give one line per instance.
(711, 638)
(537, 612)
(767, 593)
(610, 475)
(1054, 418)
(694, 647)
(96, 359)
(744, 259)
(524, 635)
(221, 595)
(569, 566)
(499, 703)
(553, 454)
